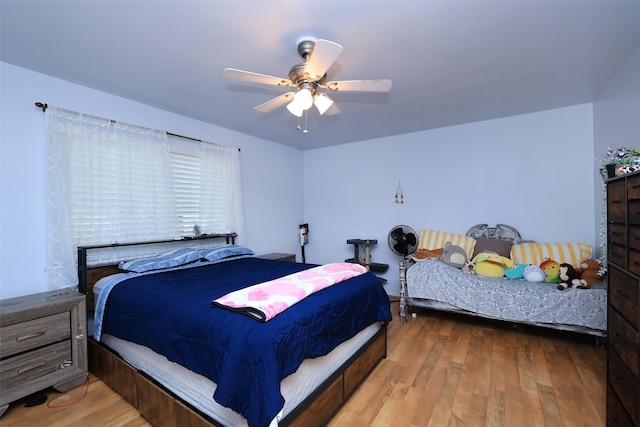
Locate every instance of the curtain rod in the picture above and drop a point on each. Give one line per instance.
(44, 107)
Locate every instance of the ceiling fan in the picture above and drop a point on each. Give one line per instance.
(308, 77)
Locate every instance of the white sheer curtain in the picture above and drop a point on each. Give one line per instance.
(113, 182)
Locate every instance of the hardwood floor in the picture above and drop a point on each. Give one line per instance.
(440, 371)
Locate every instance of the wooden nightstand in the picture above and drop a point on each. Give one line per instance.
(44, 344)
(279, 256)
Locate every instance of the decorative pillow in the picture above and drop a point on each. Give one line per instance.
(536, 253)
(499, 246)
(221, 252)
(434, 239)
(166, 260)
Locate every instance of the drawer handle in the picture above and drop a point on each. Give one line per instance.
(29, 368)
(29, 336)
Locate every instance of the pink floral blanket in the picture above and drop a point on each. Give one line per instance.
(266, 300)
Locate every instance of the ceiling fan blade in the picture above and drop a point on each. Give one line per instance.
(322, 56)
(275, 103)
(381, 85)
(249, 76)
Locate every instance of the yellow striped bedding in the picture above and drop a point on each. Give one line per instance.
(535, 253)
(435, 239)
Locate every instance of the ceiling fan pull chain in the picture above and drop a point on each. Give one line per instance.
(306, 115)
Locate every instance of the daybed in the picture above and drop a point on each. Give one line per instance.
(161, 342)
(433, 284)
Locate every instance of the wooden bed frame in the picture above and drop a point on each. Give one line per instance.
(162, 408)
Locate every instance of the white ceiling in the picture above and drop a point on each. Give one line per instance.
(451, 62)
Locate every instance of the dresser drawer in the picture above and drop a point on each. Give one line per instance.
(623, 338)
(616, 414)
(623, 294)
(633, 211)
(634, 262)
(34, 333)
(616, 202)
(633, 187)
(617, 254)
(34, 364)
(634, 237)
(625, 385)
(617, 233)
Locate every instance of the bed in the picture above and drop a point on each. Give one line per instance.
(431, 283)
(161, 342)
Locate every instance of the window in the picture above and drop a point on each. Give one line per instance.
(111, 182)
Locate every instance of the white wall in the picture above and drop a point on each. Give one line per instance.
(616, 118)
(533, 171)
(271, 173)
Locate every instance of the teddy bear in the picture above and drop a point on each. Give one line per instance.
(569, 277)
(590, 271)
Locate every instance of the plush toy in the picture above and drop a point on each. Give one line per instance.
(550, 268)
(453, 255)
(468, 268)
(491, 264)
(516, 271)
(590, 271)
(427, 253)
(533, 273)
(569, 277)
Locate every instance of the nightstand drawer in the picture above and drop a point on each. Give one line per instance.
(34, 364)
(34, 333)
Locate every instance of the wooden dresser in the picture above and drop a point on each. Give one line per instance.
(43, 344)
(623, 317)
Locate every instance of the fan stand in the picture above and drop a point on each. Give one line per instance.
(402, 271)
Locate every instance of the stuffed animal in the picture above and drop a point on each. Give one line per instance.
(569, 277)
(533, 273)
(491, 264)
(468, 268)
(427, 253)
(453, 255)
(550, 268)
(590, 271)
(516, 271)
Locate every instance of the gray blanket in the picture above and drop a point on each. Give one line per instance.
(506, 299)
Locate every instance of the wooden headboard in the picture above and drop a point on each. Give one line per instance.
(89, 276)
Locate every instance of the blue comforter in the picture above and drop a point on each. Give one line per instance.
(171, 313)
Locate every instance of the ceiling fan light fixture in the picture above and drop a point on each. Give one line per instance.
(303, 98)
(322, 103)
(295, 109)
